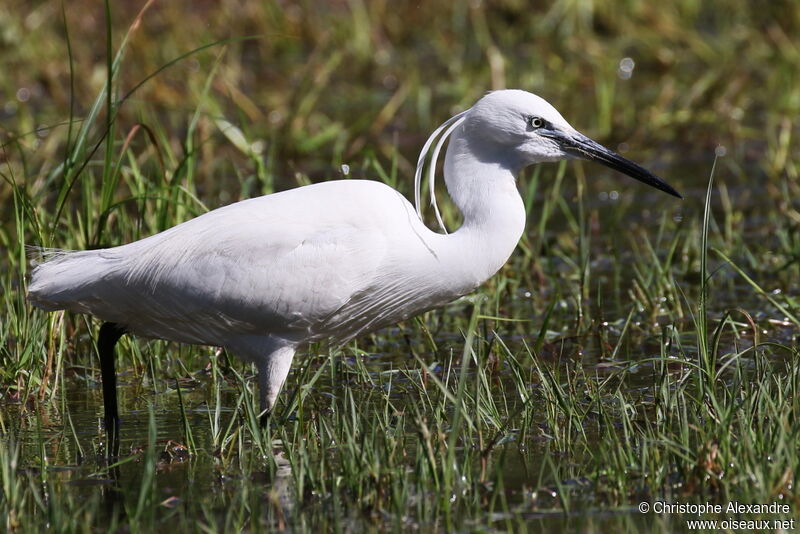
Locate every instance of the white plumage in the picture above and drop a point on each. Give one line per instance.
(331, 260)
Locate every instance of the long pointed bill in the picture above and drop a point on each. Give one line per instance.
(580, 146)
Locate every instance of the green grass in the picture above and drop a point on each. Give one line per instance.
(635, 348)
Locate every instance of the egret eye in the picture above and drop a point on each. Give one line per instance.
(536, 122)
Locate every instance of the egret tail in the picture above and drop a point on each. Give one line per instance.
(66, 280)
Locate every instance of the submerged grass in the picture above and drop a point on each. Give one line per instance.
(613, 361)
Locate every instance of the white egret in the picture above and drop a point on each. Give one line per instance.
(333, 260)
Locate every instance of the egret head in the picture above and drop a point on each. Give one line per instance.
(522, 129)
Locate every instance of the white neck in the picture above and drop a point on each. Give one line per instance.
(485, 192)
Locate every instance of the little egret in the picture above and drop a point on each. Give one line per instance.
(333, 260)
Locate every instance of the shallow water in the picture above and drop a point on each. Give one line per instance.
(67, 435)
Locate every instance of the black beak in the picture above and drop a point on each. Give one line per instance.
(580, 146)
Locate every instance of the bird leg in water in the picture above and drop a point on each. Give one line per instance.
(106, 340)
(273, 368)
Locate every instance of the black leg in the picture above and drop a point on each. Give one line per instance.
(106, 340)
(113, 497)
(263, 419)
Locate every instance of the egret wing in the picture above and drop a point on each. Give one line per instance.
(253, 270)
